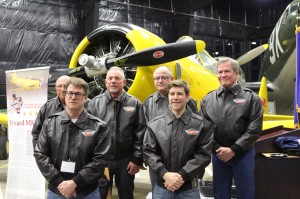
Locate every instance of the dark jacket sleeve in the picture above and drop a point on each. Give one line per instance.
(37, 127)
(192, 104)
(42, 156)
(254, 128)
(145, 111)
(138, 136)
(151, 153)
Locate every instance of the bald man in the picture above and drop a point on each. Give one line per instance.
(52, 106)
(158, 103)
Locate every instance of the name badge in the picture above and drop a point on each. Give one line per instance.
(68, 167)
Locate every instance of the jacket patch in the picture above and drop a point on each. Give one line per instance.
(239, 101)
(192, 132)
(129, 108)
(88, 132)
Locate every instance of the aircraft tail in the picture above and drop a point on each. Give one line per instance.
(263, 94)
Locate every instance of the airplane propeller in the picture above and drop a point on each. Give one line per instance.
(151, 56)
(245, 58)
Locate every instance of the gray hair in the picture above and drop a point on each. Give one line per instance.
(115, 68)
(63, 77)
(234, 63)
(169, 71)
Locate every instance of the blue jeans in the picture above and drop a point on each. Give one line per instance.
(241, 169)
(161, 193)
(123, 180)
(153, 177)
(93, 195)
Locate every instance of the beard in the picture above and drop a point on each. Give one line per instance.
(114, 90)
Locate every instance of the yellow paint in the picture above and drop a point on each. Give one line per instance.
(263, 94)
(78, 51)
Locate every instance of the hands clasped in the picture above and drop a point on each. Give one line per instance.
(173, 181)
(225, 154)
(67, 188)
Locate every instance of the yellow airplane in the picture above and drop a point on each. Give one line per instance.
(25, 83)
(139, 52)
(127, 46)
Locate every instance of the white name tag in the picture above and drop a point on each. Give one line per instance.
(68, 167)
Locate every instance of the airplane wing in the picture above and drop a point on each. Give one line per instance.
(255, 86)
(271, 121)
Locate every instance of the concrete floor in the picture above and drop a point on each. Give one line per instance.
(142, 184)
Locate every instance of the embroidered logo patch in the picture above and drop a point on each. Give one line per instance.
(239, 101)
(88, 132)
(129, 108)
(192, 132)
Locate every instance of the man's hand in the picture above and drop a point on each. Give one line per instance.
(173, 181)
(224, 154)
(133, 168)
(67, 188)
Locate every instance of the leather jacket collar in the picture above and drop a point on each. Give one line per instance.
(185, 117)
(235, 89)
(80, 123)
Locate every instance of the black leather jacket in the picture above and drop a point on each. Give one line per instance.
(238, 120)
(85, 142)
(125, 121)
(50, 107)
(156, 105)
(186, 151)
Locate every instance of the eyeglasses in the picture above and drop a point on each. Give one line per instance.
(77, 95)
(161, 77)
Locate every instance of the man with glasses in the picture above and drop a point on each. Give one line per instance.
(158, 103)
(73, 148)
(124, 116)
(52, 106)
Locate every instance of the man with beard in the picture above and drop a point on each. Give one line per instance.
(124, 116)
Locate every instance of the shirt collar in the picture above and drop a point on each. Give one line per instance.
(157, 97)
(185, 117)
(234, 89)
(121, 98)
(80, 123)
(57, 103)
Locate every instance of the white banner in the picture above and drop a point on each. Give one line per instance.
(26, 91)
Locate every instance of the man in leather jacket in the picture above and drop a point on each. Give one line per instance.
(52, 106)
(158, 103)
(237, 114)
(124, 116)
(73, 147)
(177, 146)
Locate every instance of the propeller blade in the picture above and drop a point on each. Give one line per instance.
(158, 54)
(245, 58)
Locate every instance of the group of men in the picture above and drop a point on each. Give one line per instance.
(74, 140)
